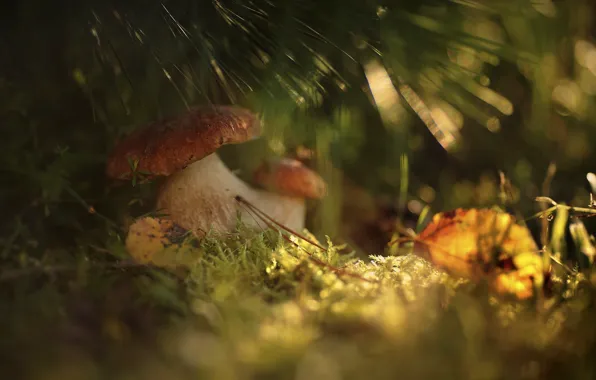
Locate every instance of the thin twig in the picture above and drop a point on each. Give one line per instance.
(263, 215)
(579, 211)
(273, 224)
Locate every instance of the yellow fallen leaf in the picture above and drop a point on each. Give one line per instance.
(484, 244)
(159, 242)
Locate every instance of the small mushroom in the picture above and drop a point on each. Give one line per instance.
(199, 191)
(294, 180)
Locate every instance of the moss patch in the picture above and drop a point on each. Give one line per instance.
(257, 306)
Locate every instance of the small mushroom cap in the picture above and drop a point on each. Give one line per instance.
(170, 145)
(290, 177)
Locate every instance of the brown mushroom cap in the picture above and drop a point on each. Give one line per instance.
(167, 146)
(290, 177)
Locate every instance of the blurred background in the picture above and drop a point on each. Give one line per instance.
(399, 105)
(463, 89)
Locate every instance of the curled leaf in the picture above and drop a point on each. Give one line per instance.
(546, 200)
(484, 244)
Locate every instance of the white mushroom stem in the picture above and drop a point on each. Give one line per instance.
(202, 197)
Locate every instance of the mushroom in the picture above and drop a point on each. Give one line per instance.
(294, 180)
(199, 191)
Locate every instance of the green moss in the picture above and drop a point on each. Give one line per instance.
(257, 306)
